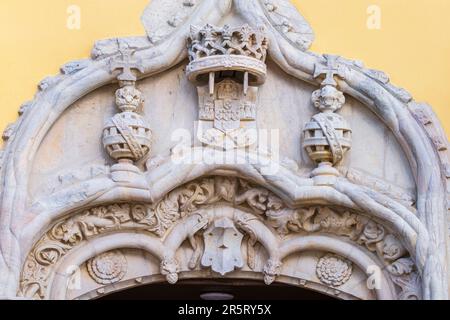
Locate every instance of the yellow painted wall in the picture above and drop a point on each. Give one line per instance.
(413, 45)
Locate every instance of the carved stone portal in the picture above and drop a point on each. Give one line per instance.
(89, 180)
(234, 59)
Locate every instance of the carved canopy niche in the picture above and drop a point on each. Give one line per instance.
(219, 146)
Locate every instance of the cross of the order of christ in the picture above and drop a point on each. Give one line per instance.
(332, 69)
(126, 63)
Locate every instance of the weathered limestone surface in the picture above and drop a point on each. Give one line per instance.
(218, 146)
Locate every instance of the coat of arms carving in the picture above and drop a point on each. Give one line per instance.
(222, 247)
(228, 116)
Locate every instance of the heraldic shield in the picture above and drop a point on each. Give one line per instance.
(223, 247)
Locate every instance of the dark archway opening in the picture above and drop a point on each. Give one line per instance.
(237, 290)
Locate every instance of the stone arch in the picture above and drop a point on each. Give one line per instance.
(421, 227)
(196, 210)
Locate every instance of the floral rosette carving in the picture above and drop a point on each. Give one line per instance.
(333, 270)
(107, 268)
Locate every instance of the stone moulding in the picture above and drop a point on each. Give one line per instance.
(415, 127)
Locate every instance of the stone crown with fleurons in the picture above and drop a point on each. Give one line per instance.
(213, 49)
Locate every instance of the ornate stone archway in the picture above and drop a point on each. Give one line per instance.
(226, 213)
(348, 198)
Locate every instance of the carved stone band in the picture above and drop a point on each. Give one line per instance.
(257, 69)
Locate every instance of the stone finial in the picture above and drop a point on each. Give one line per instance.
(127, 136)
(327, 137)
(271, 270)
(128, 98)
(169, 268)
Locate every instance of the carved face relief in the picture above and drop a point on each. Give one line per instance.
(222, 247)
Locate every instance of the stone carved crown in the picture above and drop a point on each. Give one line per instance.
(213, 49)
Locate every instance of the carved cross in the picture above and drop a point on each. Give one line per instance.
(332, 69)
(126, 63)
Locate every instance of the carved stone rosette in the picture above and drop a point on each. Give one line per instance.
(213, 49)
(402, 233)
(227, 64)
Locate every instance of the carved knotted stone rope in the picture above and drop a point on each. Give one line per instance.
(292, 26)
(419, 223)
